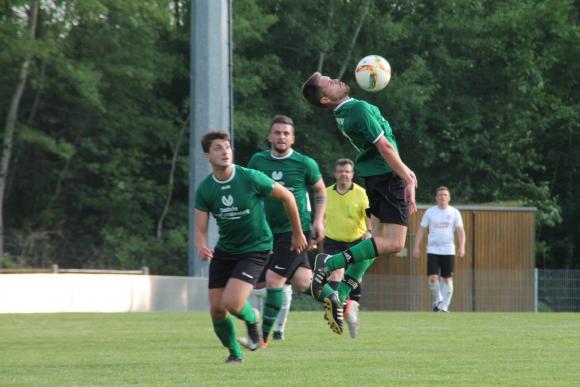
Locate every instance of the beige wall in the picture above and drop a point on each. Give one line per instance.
(54, 293)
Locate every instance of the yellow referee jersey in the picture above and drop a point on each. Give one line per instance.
(345, 217)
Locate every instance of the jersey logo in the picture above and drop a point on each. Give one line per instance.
(277, 175)
(227, 200)
(340, 121)
(226, 187)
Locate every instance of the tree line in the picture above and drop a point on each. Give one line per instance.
(95, 108)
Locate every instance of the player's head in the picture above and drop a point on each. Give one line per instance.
(442, 196)
(322, 91)
(217, 149)
(344, 172)
(281, 134)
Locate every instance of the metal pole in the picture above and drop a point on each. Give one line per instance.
(210, 100)
(473, 263)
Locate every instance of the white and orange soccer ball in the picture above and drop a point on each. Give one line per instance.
(373, 73)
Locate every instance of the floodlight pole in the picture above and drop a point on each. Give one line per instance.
(211, 100)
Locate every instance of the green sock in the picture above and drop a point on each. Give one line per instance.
(226, 332)
(272, 305)
(361, 251)
(326, 290)
(355, 271)
(247, 313)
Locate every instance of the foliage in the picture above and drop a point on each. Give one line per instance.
(484, 99)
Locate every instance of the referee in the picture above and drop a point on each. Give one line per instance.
(346, 224)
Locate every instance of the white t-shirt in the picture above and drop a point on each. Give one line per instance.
(442, 224)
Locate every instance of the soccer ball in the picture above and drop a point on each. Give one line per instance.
(373, 73)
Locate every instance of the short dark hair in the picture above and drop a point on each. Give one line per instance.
(280, 119)
(442, 188)
(311, 91)
(341, 162)
(210, 136)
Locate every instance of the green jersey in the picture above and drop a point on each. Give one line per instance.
(295, 172)
(363, 124)
(237, 205)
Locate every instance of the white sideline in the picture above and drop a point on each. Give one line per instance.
(56, 293)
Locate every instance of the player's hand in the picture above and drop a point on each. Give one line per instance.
(205, 253)
(410, 197)
(366, 235)
(299, 242)
(460, 253)
(414, 179)
(316, 235)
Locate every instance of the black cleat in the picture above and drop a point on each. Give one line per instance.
(234, 360)
(277, 335)
(436, 307)
(334, 312)
(320, 275)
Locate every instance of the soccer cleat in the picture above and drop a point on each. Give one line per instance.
(254, 340)
(436, 306)
(333, 312)
(278, 335)
(320, 275)
(352, 318)
(232, 359)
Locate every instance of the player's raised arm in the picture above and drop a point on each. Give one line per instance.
(392, 158)
(299, 242)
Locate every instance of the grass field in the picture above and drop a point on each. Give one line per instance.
(464, 349)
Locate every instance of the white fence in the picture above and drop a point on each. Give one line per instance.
(54, 293)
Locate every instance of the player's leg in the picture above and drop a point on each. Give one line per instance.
(280, 323)
(285, 264)
(447, 267)
(433, 268)
(389, 215)
(220, 270)
(258, 294)
(223, 325)
(235, 296)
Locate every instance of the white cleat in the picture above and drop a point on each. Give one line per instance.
(352, 319)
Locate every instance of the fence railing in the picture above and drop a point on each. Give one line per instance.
(558, 290)
(55, 269)
(523, 290)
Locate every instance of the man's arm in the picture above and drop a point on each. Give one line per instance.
(319, 190)
(461, 241)
(200, 236)
(392, 158)
(417, 241)
(369, 233)
(287, 198)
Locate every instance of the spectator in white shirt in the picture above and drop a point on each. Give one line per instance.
(442, 221)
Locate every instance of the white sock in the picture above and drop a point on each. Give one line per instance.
(436, 290)
(284, 309)
(257, 300)
(447, 294)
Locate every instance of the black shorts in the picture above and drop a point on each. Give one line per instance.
(332, 246)
(443, 263)
(284, 261)
(386, 194)
(246, 267)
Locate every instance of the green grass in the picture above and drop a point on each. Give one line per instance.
(393, 349)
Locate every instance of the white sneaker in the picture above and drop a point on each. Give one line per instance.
(352, 319)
